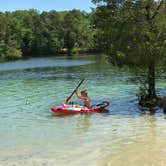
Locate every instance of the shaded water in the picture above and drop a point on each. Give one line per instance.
(30, 135)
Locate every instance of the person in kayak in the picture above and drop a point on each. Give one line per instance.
(84, 97)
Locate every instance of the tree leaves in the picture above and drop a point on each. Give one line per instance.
(46, 33)
(133, 28)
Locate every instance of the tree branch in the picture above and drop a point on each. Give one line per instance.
(148, 7)
(157, 10)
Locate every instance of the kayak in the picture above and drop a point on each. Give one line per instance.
(73, 108)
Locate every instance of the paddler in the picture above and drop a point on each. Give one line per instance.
(84, 97)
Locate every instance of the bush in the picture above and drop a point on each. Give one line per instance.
(13, 53)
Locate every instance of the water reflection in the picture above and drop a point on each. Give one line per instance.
(84, 123)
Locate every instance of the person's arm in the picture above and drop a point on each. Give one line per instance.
(80, 97)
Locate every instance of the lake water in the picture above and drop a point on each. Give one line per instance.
(31, 136)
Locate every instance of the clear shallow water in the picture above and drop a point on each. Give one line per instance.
(30, 135)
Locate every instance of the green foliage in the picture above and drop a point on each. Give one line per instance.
(35, 33)
(78, 32)
(12, 50)
(130, 28)
(2, 48)
(133, 33)
(13, 53)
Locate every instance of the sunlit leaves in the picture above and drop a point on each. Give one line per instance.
(135, 28)
(46, 33)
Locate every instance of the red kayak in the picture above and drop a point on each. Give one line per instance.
(73, 109)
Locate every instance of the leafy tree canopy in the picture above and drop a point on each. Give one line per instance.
(46, 33)
(133, 32)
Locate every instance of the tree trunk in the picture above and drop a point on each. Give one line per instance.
(69, 51)
(151, 81)
(69, 43)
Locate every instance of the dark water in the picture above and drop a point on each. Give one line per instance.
(30, 135)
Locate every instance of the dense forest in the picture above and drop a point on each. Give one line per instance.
(29, 32)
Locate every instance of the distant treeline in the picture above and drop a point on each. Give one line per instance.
(29, 32)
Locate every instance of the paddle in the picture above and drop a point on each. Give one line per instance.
(74, 91)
